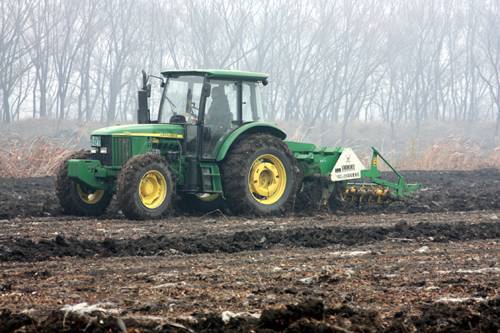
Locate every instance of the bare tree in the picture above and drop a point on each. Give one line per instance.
(490, 44)
(121, 44)
(336, 61)
(13, 25)
(66, 39)
(38, 36)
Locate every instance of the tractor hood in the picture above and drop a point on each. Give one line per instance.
(156, 130)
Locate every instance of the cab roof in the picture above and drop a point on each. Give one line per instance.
(219, 74)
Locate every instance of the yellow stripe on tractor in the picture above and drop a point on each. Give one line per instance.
(154, 135)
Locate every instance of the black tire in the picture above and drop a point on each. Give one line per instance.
(235, 175)
(69, 191)
(129, 180)
(192, 203)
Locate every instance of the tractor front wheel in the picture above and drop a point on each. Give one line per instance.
(77, 198)
(144, 187)
(260, 176)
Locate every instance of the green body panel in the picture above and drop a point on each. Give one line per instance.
(160, 130)
(172, 149)
(319, 162)
(92, 173)
(223, 74)
(314, 161)
(247, 128)
(127, 141)
(211, 178)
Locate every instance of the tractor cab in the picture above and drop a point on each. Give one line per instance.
(210, 104)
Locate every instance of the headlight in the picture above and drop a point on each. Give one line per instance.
(95, 140)
(104, 150)
(93, 150)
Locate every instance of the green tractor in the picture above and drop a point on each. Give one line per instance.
(207, 148)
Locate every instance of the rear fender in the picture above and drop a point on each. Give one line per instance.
(244, 130)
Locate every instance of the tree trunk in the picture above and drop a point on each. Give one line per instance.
(80, 100)
(34, 98)
(6, 107)
(111, 106)
(497, 127)
(43, 99)
(61, 106)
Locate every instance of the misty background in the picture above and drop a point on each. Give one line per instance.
(340, 70)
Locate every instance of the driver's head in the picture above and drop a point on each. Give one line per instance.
(218, 92)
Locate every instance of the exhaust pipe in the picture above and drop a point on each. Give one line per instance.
(143, 113)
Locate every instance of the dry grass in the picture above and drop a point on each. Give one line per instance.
(45, 144)
(31, 158)
(35, 147)
(453, 153)
(40, 156)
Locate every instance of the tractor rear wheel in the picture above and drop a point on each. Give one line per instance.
(78, 198)
(260, 176)
(144, 187)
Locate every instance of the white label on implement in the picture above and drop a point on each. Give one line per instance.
(348, 166)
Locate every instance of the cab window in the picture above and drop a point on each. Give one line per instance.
(252, 103)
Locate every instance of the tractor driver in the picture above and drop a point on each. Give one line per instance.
(219, 115)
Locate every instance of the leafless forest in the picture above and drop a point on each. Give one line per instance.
(330, 61)
(417, 79)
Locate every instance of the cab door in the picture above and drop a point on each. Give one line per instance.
(222, 114)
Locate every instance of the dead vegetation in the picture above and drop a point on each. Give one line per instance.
(40, 156)
(453, 153)
(435, 146)
(36, 157)
(34, 148)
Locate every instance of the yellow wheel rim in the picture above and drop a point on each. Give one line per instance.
(267, 179)
(90, 197)
(152, 189)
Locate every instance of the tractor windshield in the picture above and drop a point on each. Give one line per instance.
(181, 98)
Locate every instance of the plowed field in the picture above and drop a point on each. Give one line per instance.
(430, 263)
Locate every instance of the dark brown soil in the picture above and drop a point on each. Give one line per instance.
(22, 249)
(311, 315)
(452, 191)
(427, 264)
(28, 197)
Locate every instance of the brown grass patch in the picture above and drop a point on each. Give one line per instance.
(36, 157)
(22, 157)
(453, 153)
